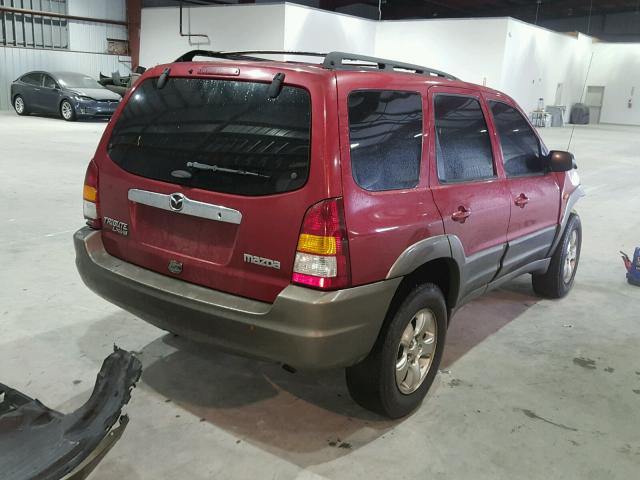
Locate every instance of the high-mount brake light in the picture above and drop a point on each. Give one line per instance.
(90, 198)
(322, 255)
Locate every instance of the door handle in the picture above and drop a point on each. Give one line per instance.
(461, 214)
(521, 200)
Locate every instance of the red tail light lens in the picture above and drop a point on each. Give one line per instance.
(90, 200)
(322, 255)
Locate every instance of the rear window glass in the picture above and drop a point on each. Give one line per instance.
(220, 135)
(385, 132)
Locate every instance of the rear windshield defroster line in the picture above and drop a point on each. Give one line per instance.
(232, 125)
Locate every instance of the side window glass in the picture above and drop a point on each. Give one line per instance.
(385, 130)
(49, 82)
(34, 79)
(520, 146)
(463, 146)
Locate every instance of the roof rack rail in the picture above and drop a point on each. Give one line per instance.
(242, 55)
(336, 61)
(332, 61)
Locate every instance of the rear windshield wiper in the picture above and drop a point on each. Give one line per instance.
(216, 168)
(162, 79)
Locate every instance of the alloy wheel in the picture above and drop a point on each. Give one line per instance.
(19, 105)
(67, 111)
(416, 351)
(571, 257)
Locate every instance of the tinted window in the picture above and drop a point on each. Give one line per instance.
(258, 145)
(33, 79)
(520, 146)
(463, 147)
(385, 129)
(49, 82)
(77, 80)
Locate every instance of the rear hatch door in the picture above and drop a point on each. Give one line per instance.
(212, 176)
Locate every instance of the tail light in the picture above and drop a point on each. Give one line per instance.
(322, 255)
(90, 200)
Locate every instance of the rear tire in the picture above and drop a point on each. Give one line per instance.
(20, 106)
(67, 111)
(558, 279)
(379, 383)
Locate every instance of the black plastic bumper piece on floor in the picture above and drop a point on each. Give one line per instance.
(37, 442)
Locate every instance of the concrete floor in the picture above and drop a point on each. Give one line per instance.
(529, 388)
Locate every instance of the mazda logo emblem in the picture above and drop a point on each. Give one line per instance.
(176, 201)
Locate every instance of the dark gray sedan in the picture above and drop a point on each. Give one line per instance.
(70, 95)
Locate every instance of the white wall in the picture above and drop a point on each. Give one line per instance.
(616, 66)
(536, 60)
(233, 27)
(470, 49)
(92, 37)
(311, 30)
(524, 61)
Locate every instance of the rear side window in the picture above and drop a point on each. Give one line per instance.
(219, 135)
(520, 146)
(463, 147)
(385, 131)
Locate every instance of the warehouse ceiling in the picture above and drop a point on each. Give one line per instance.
(523, 9)
(609, 20)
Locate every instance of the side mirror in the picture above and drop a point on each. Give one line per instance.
(559, 161)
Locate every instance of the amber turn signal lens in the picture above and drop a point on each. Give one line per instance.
(89, 193)
(319, 245)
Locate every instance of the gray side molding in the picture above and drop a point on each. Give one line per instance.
(421, 252)
(576, 195)
(457, 251)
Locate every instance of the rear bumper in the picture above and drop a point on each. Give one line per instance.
(303, 328)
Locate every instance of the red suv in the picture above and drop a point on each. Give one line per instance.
(322, 215)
